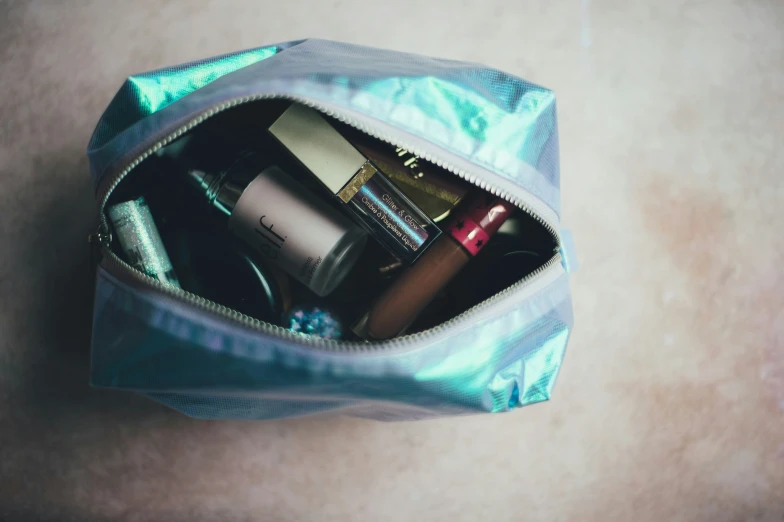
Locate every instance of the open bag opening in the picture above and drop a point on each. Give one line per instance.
(308, 224)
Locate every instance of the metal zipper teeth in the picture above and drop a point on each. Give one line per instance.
(310, 340)
(113, 260)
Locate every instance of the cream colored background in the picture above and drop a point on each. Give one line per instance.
(671, 403)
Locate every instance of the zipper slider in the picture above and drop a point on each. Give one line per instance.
(101, 238)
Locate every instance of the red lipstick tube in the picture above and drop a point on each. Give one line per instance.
(467, 233)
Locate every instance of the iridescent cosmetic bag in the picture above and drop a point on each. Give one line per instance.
(488, 129)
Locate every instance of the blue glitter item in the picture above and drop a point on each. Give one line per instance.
(140, 240)
(314, 321)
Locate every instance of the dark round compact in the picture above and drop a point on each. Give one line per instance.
(213, 265)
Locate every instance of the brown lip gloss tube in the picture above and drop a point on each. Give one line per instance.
(468, 231)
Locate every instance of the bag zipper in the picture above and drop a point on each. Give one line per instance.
(116, 265)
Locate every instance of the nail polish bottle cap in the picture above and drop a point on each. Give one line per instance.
(315, 143)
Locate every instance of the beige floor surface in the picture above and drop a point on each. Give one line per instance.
(671, 403)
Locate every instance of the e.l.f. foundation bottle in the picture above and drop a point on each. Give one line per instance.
(281, 219)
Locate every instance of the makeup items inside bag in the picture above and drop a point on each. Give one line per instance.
(312, 320)
(218, 267)
(283, 221)
(207, 261)
(469, 230)
(331, 316)
(285, 215)
(376, 203)
(434, 189)
(135, 230)
(518, 248)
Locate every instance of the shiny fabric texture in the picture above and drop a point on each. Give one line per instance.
(491, 119)
(146, 93)
(210, 367)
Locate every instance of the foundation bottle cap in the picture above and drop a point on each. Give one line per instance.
(315, 143)
(201, 179)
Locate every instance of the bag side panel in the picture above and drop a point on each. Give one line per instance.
(147, 342)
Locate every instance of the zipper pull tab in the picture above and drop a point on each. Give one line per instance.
(101, 238)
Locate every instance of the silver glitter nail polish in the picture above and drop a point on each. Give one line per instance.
(139, 238)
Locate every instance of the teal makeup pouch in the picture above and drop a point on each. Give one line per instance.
(493, 130)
